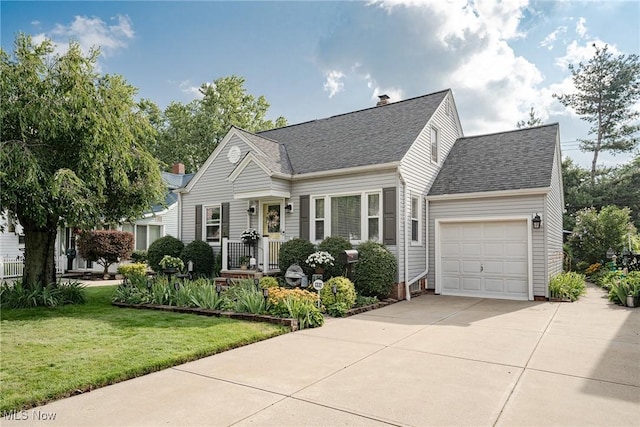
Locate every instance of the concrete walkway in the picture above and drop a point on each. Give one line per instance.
(435, 360)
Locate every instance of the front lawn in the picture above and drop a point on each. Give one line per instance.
(50, 353)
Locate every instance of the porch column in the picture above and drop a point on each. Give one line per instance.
(225, 254)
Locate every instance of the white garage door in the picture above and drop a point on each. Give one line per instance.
(484, 259)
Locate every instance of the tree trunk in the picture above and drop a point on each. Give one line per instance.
(40, 245)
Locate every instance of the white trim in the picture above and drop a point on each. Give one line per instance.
(347, 171)
(162, 212)
(262, 194)
(204, 223)
(489, 194)
(438, 260)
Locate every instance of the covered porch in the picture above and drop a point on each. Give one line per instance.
(237, 256)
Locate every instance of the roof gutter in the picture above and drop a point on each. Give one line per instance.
(489, 194)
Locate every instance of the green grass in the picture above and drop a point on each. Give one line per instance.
(50, 353)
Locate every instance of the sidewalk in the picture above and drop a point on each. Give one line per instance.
(434, 360)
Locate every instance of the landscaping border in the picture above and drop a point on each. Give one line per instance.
(288, 322)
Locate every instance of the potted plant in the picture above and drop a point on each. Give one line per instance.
(320, 260)
(244, 262)
(171, 264)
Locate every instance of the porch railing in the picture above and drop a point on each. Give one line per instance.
(14, 267)
(266, 253)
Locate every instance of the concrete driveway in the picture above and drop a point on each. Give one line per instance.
(435, 360)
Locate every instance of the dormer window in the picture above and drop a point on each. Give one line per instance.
(435, 142)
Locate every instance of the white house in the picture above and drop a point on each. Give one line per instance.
(458, 212)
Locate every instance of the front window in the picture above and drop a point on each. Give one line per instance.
(141, 237)
(212, 215)
(155, 232)
(319, 219)
(346, 217)
(373, 216)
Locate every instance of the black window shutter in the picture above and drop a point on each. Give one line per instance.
(389, 215)
(225, 220)
(198, 222)
(304, 217)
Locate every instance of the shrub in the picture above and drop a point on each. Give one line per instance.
(16, 295)
(139, 257)
(131, 294)
(569, 285)
(201, 253)
(362, 301)
(248, 299)
(167, 245)
(134, 269)
(593, 268)
(622, 286)
(376, 270)
(335, 245)
(308, 315)
(346, 292)
(295, 251)
(217, 266)
(269, 282)
(106, 247)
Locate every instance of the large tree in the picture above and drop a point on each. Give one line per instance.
(72, 148)
(607, 90)
(190, 132)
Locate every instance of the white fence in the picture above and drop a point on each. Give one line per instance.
(13, 267)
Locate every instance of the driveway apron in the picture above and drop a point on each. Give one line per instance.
(434, 360)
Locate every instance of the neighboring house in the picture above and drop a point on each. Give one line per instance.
(159, 221)
(457, 212)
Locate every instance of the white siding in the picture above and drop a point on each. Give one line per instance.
(553, 220)
(212, 189)
(419, 173)
(252, 178)
(170, 221)
(9, 246)
(493, 207)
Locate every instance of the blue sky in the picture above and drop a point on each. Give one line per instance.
(317, 59)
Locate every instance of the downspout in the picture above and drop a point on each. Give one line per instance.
(406, 242)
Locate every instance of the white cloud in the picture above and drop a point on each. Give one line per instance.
(188, 88)
(581, 28)
(551, 38)
(581, 52)
(334, 83)
(409, 48)
(92, 33)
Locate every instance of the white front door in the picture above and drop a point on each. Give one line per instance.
(272, 220)
(485, 259)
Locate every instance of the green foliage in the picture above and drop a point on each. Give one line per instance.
(533, 120)
(376, 270)
(201, 253)
(362, 301)
(167, 245)
(139, 257)
(346, 292)
(335, 245)
(269, 282)
(621, 285)
(596, 232)
(295, 251)
(134, 269)
(188, 133)
(569, 285)
(308, 315)
(16, 295)
(217, 267)
(337, 309)
(607, 89)
(72, 147)
(132, 294)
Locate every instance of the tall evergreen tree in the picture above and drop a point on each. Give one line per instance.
(607, 87)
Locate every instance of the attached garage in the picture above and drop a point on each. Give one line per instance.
(484, 258)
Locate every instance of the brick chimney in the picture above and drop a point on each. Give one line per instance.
(178, 168)
(384, 100)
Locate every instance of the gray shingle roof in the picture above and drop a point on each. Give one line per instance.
(175, 180)
(501, 161)
(372, 136)
(275, 157)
